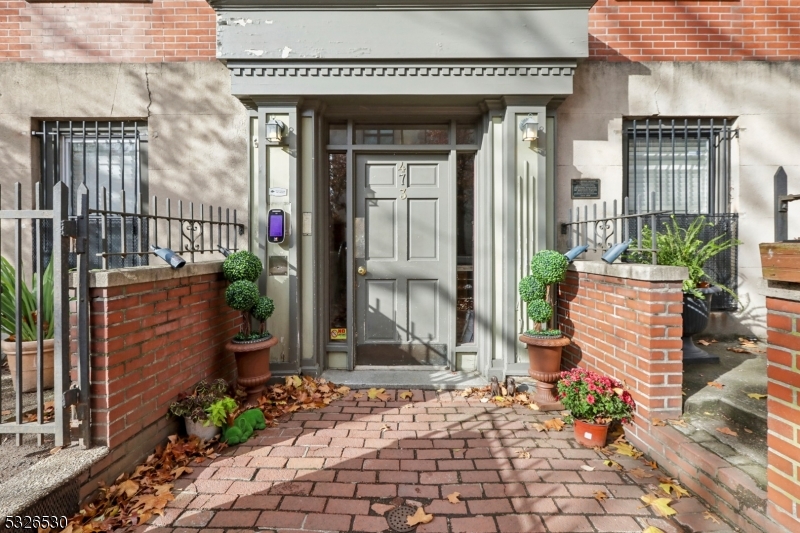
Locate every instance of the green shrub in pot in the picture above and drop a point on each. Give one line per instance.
(547, 267)
(242, 269)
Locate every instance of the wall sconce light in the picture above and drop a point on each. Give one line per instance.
(615, 251)
(575, 252)
(224, 251)
(274, 131)
(173, 259)
(530, 128)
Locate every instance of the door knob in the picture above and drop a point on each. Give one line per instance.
(362, 271)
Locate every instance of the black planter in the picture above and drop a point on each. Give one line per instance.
(695, 320)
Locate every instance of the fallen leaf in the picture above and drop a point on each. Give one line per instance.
(756, 396)
(294, 381)
(381, 508)
(707, 413)
(538, 427)
(652, 464)
(419, 518)
(679, 422)
(659, 422)
(600, 495)
(522, 454)
(534, 406)
(653, 529)
(555, 424)
(358, 395)
(624, 448)
(129, 488)
(703, 342)
(56, 450)
(748, 430)
(639, 473)
(453, 498)
(708, 516)
(671, 487)
(378, 394)
(503, 390)
(484, 400)
(737, 350)
(414, 503)
(612, 464)
(385, 428)
(728, 431)
(715, 384)
(587, 468)
(406, 395)
(659, 505)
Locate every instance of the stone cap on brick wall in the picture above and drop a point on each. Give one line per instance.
(632, 271)
(128, 276)
(782, 290)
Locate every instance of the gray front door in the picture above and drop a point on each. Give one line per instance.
(405, 272)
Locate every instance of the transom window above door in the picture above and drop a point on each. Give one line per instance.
(408, 135)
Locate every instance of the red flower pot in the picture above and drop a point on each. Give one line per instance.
(591, 435)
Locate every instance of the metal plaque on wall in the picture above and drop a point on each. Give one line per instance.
(588, 189)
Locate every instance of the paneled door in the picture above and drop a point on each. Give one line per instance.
(404, 269)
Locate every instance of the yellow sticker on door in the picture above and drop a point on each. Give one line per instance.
(338, 334)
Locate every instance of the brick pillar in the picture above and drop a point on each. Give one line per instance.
(625, 322)
(783, 417)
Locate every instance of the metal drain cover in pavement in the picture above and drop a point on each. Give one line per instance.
(398, 516)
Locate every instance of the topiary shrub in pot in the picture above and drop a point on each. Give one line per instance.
(548, 267)
(251, 349)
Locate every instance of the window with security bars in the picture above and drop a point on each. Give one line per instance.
(110, 158)
(682, 166)
(679, 165)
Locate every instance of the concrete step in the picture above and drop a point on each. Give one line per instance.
(426, 378)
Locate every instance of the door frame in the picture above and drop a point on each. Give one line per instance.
(352, 150)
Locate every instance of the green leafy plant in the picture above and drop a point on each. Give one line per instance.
(547, 267)
(195, 405)
(594, 398)
(30, 314)
(217, 413)
(243, 269)
(683, 247)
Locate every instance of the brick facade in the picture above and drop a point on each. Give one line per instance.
(628, 329)
(626, 30)
(783, 418)
(185, 30)
(150, 341)
(164, 30)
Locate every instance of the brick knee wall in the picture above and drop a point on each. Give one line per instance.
(628, 329)
(783, 417)
(149, 342)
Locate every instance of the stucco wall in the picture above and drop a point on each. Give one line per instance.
(764, 98)
(198, 132)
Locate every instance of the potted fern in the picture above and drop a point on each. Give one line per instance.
(206, 409)
(250, 348)
(544, 346)
(684, 247)
(30, 317)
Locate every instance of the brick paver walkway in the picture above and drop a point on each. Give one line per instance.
(324, 470)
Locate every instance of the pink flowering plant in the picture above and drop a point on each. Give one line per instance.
(594, 398)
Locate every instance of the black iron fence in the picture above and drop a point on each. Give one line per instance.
(602, 226)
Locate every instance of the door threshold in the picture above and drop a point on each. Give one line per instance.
(421, 368)
(426, 378)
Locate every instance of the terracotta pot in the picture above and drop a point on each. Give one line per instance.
(252, 366)
(591, 435)
(197, 428)
(29, 363)
(544, 356)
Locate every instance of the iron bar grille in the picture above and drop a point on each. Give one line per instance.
(681, 165)
(110, 158)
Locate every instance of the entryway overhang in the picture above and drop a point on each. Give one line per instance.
(348, 65)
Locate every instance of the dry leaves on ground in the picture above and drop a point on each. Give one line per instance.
(453, 498)
(381, 508)
(708, 516)
(715, 384)
(658, 422)
(406, 395)
(736, 349)
(704, 342)
(679, 422)
(653, 529)
(652, 464)
(484, 394)
(612, 464)
(600, 495)
(522, 454)
(554, 424)
(639, 473)
(623, 448)
(669, 486)
(587, 468)
(420, 517)
(378, 394)
(659, 505)
(728, 431)
(756, 396)
(133, 499)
